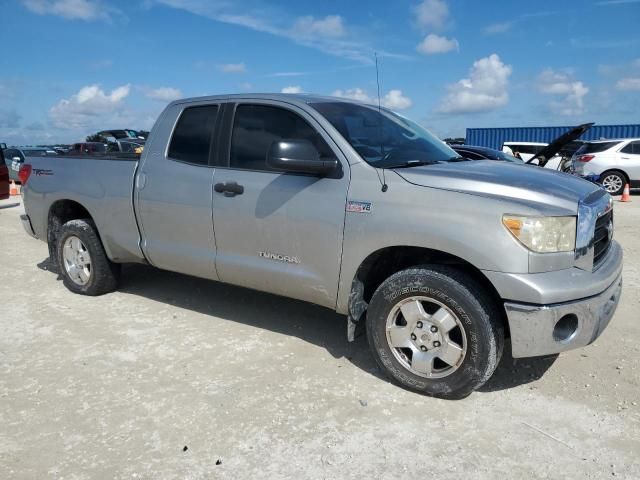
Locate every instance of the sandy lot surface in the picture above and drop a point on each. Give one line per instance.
(176, 377)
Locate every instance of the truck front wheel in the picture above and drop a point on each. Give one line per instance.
(434, 330)
(84, 265)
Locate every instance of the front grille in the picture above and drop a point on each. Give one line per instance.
(602, 237)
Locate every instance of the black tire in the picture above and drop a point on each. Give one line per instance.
(104, 274)
(476, 311)
(616, 178)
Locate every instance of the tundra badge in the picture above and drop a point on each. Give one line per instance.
(279, 258)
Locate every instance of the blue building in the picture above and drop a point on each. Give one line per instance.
(495, 137)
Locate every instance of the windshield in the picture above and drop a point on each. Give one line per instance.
(385, 139)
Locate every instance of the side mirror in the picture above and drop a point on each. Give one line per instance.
(299, 156)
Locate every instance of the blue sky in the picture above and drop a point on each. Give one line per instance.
(72, 67)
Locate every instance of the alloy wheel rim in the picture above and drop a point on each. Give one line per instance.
(426, 337)
(612, 183)
(77, 260)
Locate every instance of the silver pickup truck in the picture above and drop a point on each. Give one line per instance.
(351, 207)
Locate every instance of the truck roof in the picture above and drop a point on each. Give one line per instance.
(287, 97)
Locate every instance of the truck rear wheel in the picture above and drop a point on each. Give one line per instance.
(433, 330)
(83, 263)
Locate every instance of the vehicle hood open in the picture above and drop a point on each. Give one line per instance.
(508, 181)
(555, 146)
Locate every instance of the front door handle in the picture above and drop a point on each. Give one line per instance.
(230, 189)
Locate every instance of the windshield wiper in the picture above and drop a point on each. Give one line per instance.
(414, 163)
(458, 159)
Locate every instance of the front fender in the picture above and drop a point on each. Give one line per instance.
(463, 225)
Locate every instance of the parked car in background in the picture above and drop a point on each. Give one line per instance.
(613, 163)
(552, 155)
(118, 134)
(88, 148)
(14, 158)
(127, 145)
(4, 178)
(483, 153)
(526, 150)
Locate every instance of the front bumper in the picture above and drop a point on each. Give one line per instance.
(547, 329)
(26, 224)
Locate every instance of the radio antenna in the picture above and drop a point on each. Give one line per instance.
(385, 187)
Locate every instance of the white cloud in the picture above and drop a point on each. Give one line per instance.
(328, 34)
(629, 83)
(233, 67)
(433, 44)
(495, 28)
(164, 94)
(329, 26)
(569, 92)
(87, 10)
(354, 94)
(432, 14)
(292, 89)
(484, 90)
(394, 99)
(84, 107)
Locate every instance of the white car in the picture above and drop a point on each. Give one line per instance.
(613, 163)
(527, 150)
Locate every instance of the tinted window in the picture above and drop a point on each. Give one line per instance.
(193, 134)
(595, 147)
(256, 127)
(632, 147)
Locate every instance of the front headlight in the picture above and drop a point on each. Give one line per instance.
(543, 234)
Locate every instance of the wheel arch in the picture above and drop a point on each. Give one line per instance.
(382, 263)
(60, 212)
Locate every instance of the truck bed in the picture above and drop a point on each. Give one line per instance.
(102, 184)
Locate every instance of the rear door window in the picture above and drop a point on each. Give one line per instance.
(192, 137)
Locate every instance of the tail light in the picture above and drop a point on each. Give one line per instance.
(24, 173)
(586, 158)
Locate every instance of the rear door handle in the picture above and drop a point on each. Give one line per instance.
(229, 189)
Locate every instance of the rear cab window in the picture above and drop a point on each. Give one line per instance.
(193, 135)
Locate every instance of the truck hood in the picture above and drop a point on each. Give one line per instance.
(548, 189)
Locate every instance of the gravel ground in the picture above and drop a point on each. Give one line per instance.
(176, 377)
